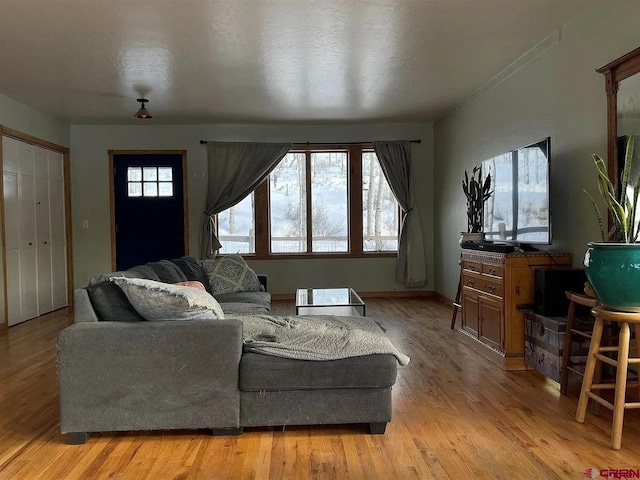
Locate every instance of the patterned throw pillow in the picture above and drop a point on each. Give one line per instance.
(157, 301)
(229, 274)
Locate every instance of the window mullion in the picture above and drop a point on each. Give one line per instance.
(309, 204)
(355, 199)
(261, 199)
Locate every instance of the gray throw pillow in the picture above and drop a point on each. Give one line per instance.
(157, 301)
(231, 273)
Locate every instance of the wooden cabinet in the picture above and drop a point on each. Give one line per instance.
(493, 286)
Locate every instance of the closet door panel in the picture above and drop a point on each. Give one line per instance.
(59, 274)
(43, 215)
(14, 307)
(40, 162)
(56, 207)
(56, 168)
(11, 210)
(10, 155)
(28, 283)
(45, 284)
(26, 198)
(25, 159)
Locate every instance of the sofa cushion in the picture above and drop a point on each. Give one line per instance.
(158, 301)
(109, 301)
(168, 271)
(192, 269)
(260, 372)
(230, 274)
(244, 302)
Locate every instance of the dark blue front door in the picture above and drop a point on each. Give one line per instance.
(149, 208)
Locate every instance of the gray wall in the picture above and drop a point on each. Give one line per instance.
(90, 194)
(558, 94)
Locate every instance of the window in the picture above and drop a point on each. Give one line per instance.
(317, 201)
(236, 227)
(380, 209)
(150, 182)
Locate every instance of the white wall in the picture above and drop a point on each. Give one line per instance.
(90, 194)
(27, 120)
(558, 94)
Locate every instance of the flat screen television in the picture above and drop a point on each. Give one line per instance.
(518, 209)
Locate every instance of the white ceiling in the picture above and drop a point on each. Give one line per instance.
(263, 61)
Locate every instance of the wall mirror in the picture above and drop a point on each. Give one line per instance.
(622, 84)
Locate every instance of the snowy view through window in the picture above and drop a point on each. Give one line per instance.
(327, 173)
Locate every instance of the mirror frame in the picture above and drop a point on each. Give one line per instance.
(624, 67)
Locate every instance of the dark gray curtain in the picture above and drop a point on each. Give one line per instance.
(395, 161)
(235, 170)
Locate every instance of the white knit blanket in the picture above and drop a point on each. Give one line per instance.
(316, 337)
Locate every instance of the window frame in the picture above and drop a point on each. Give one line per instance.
(354, 210)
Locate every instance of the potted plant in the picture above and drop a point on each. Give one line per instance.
(477, 193)
(613, 265)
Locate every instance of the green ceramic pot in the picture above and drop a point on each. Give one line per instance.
(613, 269)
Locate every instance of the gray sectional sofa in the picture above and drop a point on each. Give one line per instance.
(118, 372)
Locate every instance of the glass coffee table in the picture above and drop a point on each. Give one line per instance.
(329, 301)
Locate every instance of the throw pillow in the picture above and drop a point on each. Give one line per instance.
(231, 273)
(157, 301)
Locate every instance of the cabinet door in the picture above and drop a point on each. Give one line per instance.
(41, 162)
(24, 153)
(490, 313)
(470, 318)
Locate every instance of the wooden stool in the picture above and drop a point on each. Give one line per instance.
(596, 353)
(572, 329)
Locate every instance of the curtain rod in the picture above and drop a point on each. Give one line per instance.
(203, 142)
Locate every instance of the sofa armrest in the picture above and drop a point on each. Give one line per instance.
(262, 277)
(116, 376)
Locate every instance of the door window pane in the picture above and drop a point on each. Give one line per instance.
(150, 189)
(380, 210)
(165, 189)
(288, 205)
(165, 174)
(134, 189)
(329, 201)
(150, 174)
(236, 228)
(134, 174)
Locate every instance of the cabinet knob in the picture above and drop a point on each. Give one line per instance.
(471, 283)
(492, 271)
(45, 243)
(30, 243)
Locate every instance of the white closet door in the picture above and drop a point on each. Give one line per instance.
(56, 207)
(9, 155)
(40, 162)
(28, 283)
(43, 215)
(25, 158)
(11, 211)
(27, 201)
(14, 304)
(56, 165)
(45, 280)
(59, 276)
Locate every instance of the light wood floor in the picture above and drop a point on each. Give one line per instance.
(455, 415)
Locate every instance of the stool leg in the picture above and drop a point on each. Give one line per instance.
(621, 386)
(590, 368)
(566, 354)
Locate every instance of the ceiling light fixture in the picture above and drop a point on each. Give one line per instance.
(143, 112)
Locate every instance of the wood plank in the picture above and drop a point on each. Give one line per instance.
(455, 415)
